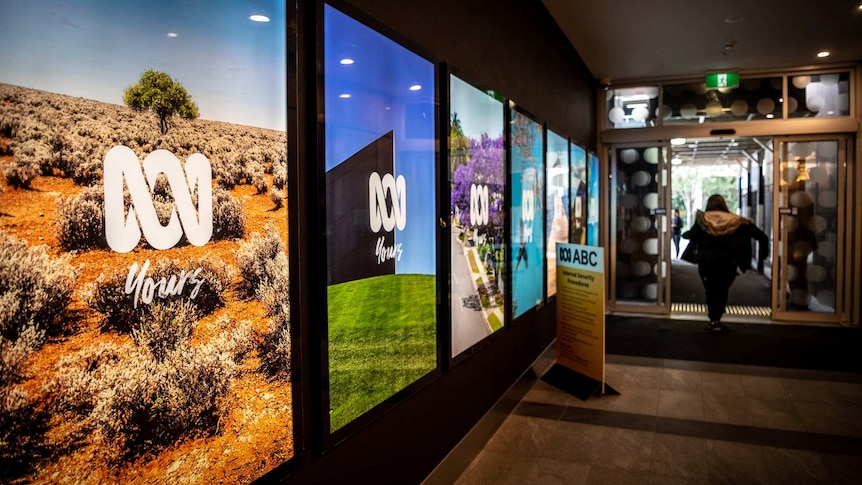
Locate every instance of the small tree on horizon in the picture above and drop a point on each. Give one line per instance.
(156, 91)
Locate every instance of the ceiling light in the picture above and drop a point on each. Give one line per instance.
(172, 34)
(735, 19)
(823, 54)
(346, 61)
(416, 87)
(345, 96)
(258, 17)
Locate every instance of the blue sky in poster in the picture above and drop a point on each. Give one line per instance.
(235, 69)
(385, 87)
(528, 240)
(478, 112)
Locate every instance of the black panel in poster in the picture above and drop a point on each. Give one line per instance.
(348, 218)
(144, 291)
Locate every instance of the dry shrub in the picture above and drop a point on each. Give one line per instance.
(20, 175)
(81, 220)
(135, 402)
(264, 266)
(165, 327)
(22, 421)
(276, 197)
(228, 215)
(35, 286)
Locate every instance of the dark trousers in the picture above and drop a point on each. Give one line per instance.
(716, 279)
(676, 238)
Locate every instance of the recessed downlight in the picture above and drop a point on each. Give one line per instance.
(823, 54)
(734, 19)
(416, 87)
(346, 61)
(345, 96)
(172, 34)
(258, 17)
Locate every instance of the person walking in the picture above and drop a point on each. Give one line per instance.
(676, 230)
(720, 245)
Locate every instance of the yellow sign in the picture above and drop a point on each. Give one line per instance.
(581, 309)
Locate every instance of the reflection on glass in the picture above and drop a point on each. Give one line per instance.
(809, 189)
(578, 195)
(593, 200)
(380, 217)
(637, 236)
(557, 215)
(527, 180)
(754, 99)
(819, 95)
(632, 107)
(477, 177)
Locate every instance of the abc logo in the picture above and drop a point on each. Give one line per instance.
(123, 230)
(379, 189)
(528, 205)
(479, 205)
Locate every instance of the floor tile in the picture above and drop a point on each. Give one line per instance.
(764, 388)
(608, 476)
(553, 472)
(830, 419)
(736, 463)
(776, 414)
(637, 400)
(681, 404)
(843, 469)
(546, 393)
(624, 449)
(639, 378)
(681, 380)
(680, 457)
(724, 408)
(719, 384)
(806, 391)
(521, 435)
(794, 467)
(572, 442)
(494, 468)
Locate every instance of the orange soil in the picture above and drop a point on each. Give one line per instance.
(257, 433)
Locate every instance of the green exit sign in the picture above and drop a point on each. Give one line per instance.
(717, 80)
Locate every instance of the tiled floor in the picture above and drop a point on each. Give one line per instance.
(679, 422)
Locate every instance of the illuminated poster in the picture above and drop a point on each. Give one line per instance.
(528, 248)
(477, 177)
(557, 199)
(593, 200)
(144, 290)
(380, 216)
(578, 191)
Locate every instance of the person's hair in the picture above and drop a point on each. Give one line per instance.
(716, 203)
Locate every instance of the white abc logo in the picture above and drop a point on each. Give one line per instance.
(528, 205)
(123, 232)
(479, 204)
(378, 190)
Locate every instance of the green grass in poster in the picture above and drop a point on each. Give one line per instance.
(382, 338)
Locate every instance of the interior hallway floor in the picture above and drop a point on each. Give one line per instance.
(784, 406)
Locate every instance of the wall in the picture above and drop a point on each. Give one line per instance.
(514, 47)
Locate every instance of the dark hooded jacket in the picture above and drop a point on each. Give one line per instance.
(718, 237)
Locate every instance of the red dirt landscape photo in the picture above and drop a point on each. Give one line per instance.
(153, 365)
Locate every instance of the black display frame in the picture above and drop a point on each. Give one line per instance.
(330, 439)
(447, 70)
(513, 108)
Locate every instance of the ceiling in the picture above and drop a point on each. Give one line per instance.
(637, 40)
(623, 40)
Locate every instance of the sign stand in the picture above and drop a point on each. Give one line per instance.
(575, 383)
(580, 366)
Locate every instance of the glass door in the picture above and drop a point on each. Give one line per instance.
(640, 229)
(809, 236)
